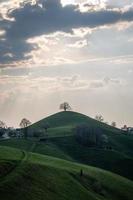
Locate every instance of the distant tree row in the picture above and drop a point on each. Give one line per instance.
(101, 119)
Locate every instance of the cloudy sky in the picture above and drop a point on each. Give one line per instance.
(80, 51)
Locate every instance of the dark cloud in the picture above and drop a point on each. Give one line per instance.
(48, 16)
(13, 50)
(32, 20)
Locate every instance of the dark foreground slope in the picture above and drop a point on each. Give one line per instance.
(37, 177)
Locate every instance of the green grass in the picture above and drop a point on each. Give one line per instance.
(51, 149)
(17, 143)
(9, 159)
(113, 160)
(60, 131)
(116, 160)
(7, 153)
(30, 169)
(67, 120)
(45, 177)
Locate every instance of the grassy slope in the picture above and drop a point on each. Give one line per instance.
(44, 177)
(113, 160)
(9, 159)
(119, 160)
(67, 148)
(67, 120)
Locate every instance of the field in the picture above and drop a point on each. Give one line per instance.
(30, 169)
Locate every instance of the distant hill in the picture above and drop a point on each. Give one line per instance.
(70, 119)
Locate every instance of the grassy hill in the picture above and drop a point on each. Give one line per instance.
(30, 169)
(62, 143)
(43, 177)
(63, 120)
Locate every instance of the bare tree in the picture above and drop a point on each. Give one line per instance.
(24, 125)
(113, 124)
(65, 106)
(99, 118)
(3, 128)
(2, 124)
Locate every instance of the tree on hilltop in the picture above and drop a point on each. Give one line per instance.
(65, 106)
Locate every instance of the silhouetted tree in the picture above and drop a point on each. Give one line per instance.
(99, 118)
(2, 124)
(113, 124)
(24, 125)
(125, 128)
(2, 128)
(2, 131)
(65, 106)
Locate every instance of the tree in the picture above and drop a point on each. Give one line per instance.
(88, 135)
(124, 128)
(2, 131)
(99, 118)
(113, 124)
(65, 106)
(2, 128)
(24, 125)
(2, 124)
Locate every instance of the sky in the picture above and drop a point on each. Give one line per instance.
(77, 51)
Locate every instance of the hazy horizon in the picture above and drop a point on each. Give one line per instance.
(79, 51)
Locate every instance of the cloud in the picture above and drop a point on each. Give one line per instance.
(118, 4)
(46, 17)
(104, 83)
(79, 44)
(30, 84)
(112, 42)
(32, 20)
